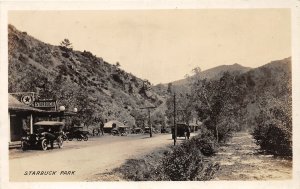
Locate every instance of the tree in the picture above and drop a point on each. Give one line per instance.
(66, 43)
(170, 86)
(273, 124)
(218, 104)
(196, 71)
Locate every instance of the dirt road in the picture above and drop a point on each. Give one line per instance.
(85, 158)
(241, 160)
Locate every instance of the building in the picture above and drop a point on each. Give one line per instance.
(113, 124)
(22, 117)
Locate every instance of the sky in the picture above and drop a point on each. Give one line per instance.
(165, 45)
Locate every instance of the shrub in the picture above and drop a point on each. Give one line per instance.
(65, 54)
(136, 170)
(273, 131)
(273, 140)
(180, 163)
(117, 78)
(23, 58)
(183, 163)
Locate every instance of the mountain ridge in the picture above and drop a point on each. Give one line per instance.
(216, 72)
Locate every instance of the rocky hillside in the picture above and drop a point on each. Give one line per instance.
(98, 89)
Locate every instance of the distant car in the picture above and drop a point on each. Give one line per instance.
(78, 133)
(183, 130)
(120, 131)
(136, 130)
(147, 130)
(163, 130)
(45, 134)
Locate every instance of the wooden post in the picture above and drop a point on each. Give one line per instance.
(150, 126)
(31, 124)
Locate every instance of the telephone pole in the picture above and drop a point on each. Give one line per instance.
(149, 119)
(174, 115)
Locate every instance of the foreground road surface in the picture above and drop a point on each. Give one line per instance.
(81, 159)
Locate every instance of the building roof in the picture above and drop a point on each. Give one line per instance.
(110, 123)
(14, 104)
(49, 123)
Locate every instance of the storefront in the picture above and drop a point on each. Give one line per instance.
(20, 118)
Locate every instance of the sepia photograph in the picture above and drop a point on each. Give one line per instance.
(132, 95)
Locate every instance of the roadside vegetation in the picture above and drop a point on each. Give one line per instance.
(185, 162)
(258, 101)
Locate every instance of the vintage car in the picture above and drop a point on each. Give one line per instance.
(120, 131)
(137, 130)
(183, 130)
(79, 133)
(147, 130)
(45, 134)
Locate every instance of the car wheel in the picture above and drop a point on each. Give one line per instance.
(60, 142)
(44, 144)
(23, 145)
(85, 138)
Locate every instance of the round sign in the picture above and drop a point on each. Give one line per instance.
(27, 99)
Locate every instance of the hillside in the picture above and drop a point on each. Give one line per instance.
(269, 83)
(98, 89)
(215, 73)
(183, 85)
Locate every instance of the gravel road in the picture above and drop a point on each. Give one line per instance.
(97, 155)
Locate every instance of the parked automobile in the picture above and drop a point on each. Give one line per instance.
(147, 130)
(45, 134)
(163, 130)
(119, 131)
(77, 132)
(183, 130)
(137, 130)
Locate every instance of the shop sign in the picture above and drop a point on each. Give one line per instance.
(45, 104)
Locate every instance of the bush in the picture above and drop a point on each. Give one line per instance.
(273, 131)
(272, 139)
(117, 78)
(137, 170)
(183, 163)
(180, 163)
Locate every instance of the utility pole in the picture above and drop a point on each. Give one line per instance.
(175, 125)
(149, 119)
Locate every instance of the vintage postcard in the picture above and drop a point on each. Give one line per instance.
(146, 94)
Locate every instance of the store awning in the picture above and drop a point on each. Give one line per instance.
(15, 105)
